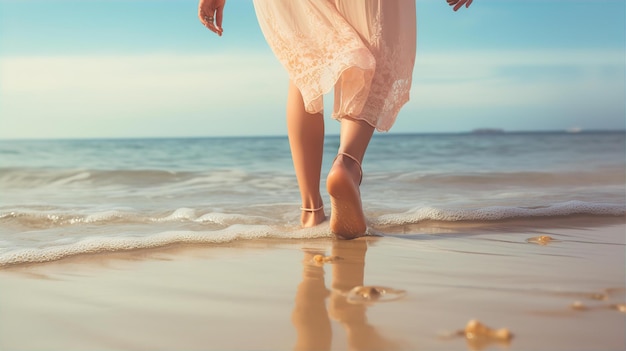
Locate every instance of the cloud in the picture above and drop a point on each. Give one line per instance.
(129, 91)
(217, 94)
(138, 80)
(519, 78)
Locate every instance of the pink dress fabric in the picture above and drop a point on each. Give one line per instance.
(364, 49)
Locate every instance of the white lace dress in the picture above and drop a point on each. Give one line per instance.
(364, 49)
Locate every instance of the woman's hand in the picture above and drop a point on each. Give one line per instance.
(459, 3)
(210, 13)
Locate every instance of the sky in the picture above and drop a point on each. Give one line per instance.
(148, 68)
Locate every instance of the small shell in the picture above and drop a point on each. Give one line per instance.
(541, 240)
(620, 307)
(371, 294)
(503, 334)
(476, 330)
(598, 296)
(321, 259)
(578, 305)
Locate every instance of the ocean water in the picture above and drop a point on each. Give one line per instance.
(65, 197)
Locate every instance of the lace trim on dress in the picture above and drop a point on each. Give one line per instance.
(321, 51)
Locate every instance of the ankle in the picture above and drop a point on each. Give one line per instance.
(351, 165)
(312, 218)
(312, 204)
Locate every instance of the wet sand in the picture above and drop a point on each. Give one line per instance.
(558, 294)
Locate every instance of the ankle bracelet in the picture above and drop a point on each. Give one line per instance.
(311, 209)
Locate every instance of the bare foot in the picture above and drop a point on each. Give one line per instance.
(347, 220)
(312, 218)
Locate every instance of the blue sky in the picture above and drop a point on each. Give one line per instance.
(148, 68)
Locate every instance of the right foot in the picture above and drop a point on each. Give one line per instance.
(347, 220)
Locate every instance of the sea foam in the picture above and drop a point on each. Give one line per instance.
(100, 244)
(496, 213)
(245, 227)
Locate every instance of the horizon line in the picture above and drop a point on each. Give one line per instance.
(477, 131)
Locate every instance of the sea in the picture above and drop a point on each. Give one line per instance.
(60, 198)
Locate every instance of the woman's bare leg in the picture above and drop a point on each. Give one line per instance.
(306, 140)
(347, 220)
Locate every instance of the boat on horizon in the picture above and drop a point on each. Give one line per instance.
(487, 131)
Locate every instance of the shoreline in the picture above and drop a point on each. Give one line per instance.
(272, 294)
(428, 227)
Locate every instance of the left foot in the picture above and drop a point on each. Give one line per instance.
(312, 216)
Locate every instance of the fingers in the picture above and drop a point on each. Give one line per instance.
(211, 14)
(212, 26)
(456, 3)
(219, 15)
(459, 3)
(208, 19)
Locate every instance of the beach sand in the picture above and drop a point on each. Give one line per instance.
(563, 294)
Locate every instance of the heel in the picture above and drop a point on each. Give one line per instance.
(355, 161)
(347, 220)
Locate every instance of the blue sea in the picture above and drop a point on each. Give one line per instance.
(60, 198)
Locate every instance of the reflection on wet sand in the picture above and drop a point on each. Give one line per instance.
(310, 316)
